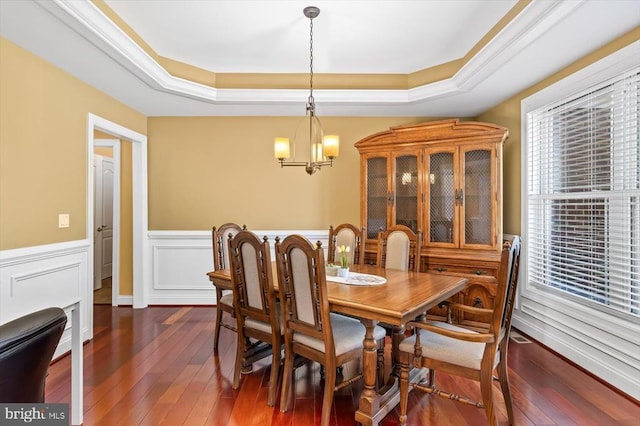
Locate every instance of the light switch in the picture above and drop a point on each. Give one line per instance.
(63, 220)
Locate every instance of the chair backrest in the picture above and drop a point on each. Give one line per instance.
(347, 235)
(220, 246)
(399, 248)
(27, 345)
(507, 286)
(303, 290)
(252, 278)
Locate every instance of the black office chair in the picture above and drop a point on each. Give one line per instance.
(27, 345)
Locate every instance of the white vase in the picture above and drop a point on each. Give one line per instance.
(343, 272)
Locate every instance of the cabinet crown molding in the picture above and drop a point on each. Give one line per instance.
(437, 131)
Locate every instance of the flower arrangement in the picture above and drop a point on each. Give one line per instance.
(343, 256)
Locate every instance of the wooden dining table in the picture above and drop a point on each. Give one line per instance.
(404, 296)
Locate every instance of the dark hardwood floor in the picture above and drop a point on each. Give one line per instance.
(156, 366)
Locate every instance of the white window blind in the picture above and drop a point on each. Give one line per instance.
(584, 195)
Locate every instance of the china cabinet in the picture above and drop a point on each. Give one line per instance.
(444, 179)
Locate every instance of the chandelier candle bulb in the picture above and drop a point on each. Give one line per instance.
(281, 148)
(331, 146)
(316, 152)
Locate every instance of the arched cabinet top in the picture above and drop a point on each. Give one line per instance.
(441, 131)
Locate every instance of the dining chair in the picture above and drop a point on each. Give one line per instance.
(27, 345)
(399, 248)
(257, 313)
(440, 346)
(310, 330)
(347, 235)
(224, 299)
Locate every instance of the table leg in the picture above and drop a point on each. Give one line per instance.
(368, 399)
(76, 365)
(374, 405)
(396, 339)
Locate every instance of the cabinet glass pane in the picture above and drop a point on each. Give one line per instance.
(376, 196)
(406, 191)
(477, 197)
(441, 197)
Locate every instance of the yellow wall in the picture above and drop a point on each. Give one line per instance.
(104, 151)
(508, 114)
(204, 171)
(43, 147)
(126, 219)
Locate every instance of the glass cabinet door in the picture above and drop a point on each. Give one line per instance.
(377, 195)
(405, 202)
(478, 205)
(442, 202)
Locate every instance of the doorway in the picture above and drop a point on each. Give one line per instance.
(107, 230)
(139, 204)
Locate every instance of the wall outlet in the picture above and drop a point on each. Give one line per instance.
(63, 220)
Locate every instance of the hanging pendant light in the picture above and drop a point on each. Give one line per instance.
(322, 149)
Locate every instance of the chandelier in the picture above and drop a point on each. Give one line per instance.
(322, 149)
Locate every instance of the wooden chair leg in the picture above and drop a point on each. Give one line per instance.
(486, 388)
(287, 379)
(327, 401)
(240, 349)
(216, 334)
(404, 392)
(504, 386)
(273, 378)
(432, 377)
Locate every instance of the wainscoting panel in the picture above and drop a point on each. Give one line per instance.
(181, 259)
(39, 277)
(605, 345)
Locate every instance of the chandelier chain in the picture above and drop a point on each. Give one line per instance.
(311, 106)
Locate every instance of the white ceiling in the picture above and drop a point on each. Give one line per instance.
(240, 36)
(350, 36)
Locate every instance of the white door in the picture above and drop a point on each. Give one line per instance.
(103, 221)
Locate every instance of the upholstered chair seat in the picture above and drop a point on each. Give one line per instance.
(227, 300)
(443, 348)
(348, 335)
(263, 326)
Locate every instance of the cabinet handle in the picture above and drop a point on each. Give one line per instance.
(478, 272)
(441, 269)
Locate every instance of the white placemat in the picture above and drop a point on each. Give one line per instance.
(356, 278)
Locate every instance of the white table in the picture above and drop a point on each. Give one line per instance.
(76, 363)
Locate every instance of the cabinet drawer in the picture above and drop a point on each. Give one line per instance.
(463, 270)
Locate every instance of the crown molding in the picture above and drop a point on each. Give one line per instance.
(93, 25)
(534, 21)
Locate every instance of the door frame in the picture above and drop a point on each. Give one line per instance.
(138, 141)
(114, 144)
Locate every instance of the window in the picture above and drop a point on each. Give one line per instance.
(583, 195)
